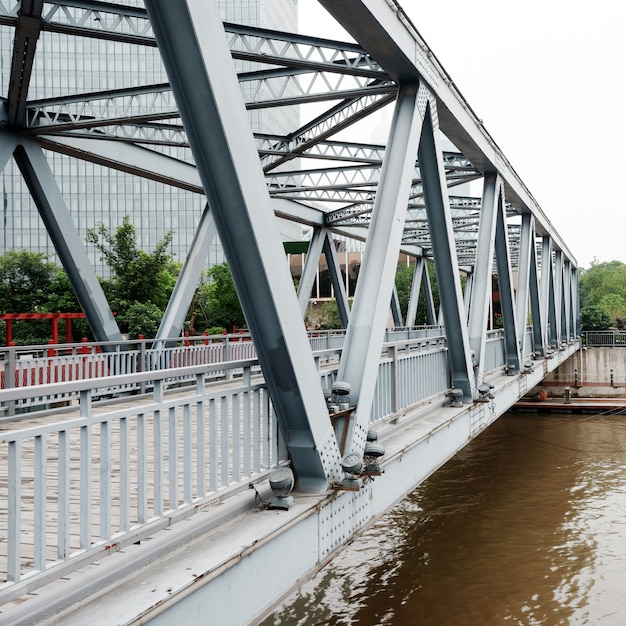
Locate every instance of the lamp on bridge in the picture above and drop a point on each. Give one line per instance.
(281, 484)
(352, 464)
(372, 453)
(484, 392)
(342, 390)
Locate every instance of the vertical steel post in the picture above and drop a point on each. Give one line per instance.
(548, 304)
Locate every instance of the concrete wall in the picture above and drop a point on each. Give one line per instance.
(588, 374)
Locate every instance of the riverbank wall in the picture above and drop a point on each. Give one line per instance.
(589, 373)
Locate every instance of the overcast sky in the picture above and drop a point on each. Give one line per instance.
(548, 79)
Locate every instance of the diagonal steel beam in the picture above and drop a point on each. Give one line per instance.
(505, 287)
(364, 336)
(67, 242)
(188, 279)
(481, 295)
(195, 53)
(444, 252)
(309, 271)
(339, 288)
(27, 31)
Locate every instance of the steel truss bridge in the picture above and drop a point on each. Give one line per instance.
(105, 479)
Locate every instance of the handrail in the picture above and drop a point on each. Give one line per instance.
(179, 452)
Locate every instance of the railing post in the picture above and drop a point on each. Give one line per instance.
(141, 364)
(392, 353)
(9, 378)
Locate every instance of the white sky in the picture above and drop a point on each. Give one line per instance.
(548, 79)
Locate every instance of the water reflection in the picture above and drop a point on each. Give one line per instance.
(525, 526)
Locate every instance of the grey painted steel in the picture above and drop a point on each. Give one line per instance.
(67, 242)
(198, 63)
(567, 302)
(536, 310)
(27, 31)
(125, 157)
(416, 282)
(358, 365)
(448, 278)
(505, 287)
(309, 271)
(576, 304)
(467, 293)
(396, 313)
(527, 244)
(481, 294)
(421, 284)
(547, 293)
(188, 279)
(385, 31)
(209, 570)
(559, 296)
(538, 325)
(334, 269)
(7, 146)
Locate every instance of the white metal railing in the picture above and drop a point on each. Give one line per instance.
(73, 490)
(93, 481)
(28, 366)
(604, 338)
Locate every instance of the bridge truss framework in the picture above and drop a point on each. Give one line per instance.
(397, 197)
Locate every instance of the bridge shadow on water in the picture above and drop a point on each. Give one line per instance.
(523, 526)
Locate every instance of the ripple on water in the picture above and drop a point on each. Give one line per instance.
(525, 526)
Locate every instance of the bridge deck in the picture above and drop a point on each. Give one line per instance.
(179, 418)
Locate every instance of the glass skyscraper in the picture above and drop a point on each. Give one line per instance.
(67, 65)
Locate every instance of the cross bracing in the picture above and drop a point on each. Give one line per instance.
(459, 204)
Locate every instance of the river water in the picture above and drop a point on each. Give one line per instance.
(526, 525)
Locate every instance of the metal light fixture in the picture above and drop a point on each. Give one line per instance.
(281, 484)
(352, 464)
(372, 453)
(341, 392)
(484, 393)
(454, 397)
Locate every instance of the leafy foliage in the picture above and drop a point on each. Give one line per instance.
(404, 279)
(29, 283)
(137, 276)
(216, 304)
(593, 317)
(602, 290)
(25, 279)
(325, 316)
(142, 318)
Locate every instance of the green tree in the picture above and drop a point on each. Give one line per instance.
(61, 297)
(216, 303)
(593, 317)
(602, 287)
(136, 275)
(25, 280)
(404, 281)
(143, 318)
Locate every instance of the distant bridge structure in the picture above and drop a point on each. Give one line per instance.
(163, 458)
